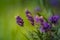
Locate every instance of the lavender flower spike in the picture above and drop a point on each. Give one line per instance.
(54, 19)
(19, 21)
(30, 17)
(39, 19)
(36, 18)
(45, 27)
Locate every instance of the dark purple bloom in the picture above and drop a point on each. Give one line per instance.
(54, 3)
(30, 17)
(28, 12)
(19, 21)
(45, 27)
(54, 19)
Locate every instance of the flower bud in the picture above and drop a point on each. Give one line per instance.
(19, 21)
(54, 19)
(45, 27)
(30, 17)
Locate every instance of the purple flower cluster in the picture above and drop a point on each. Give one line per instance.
(30, 17)
(38, 19)
(19, 21)
(45, 27)
(54, 19)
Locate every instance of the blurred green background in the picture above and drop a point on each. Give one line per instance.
(9, 30)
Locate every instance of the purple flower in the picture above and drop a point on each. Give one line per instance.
(30, 17)
(45, 27)
(27, 12)
(37, 9)
(19, 21)
(39, 19)
(41, 29)
(54, 3)
(54, 19)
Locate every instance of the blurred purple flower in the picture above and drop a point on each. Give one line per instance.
(54, 3)
(39, 19)
(36, 18)
(37, 9)
(30, 17)
(27, 12)
(45, 27)
(19, 21)
(42, 29)
(54, 19)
